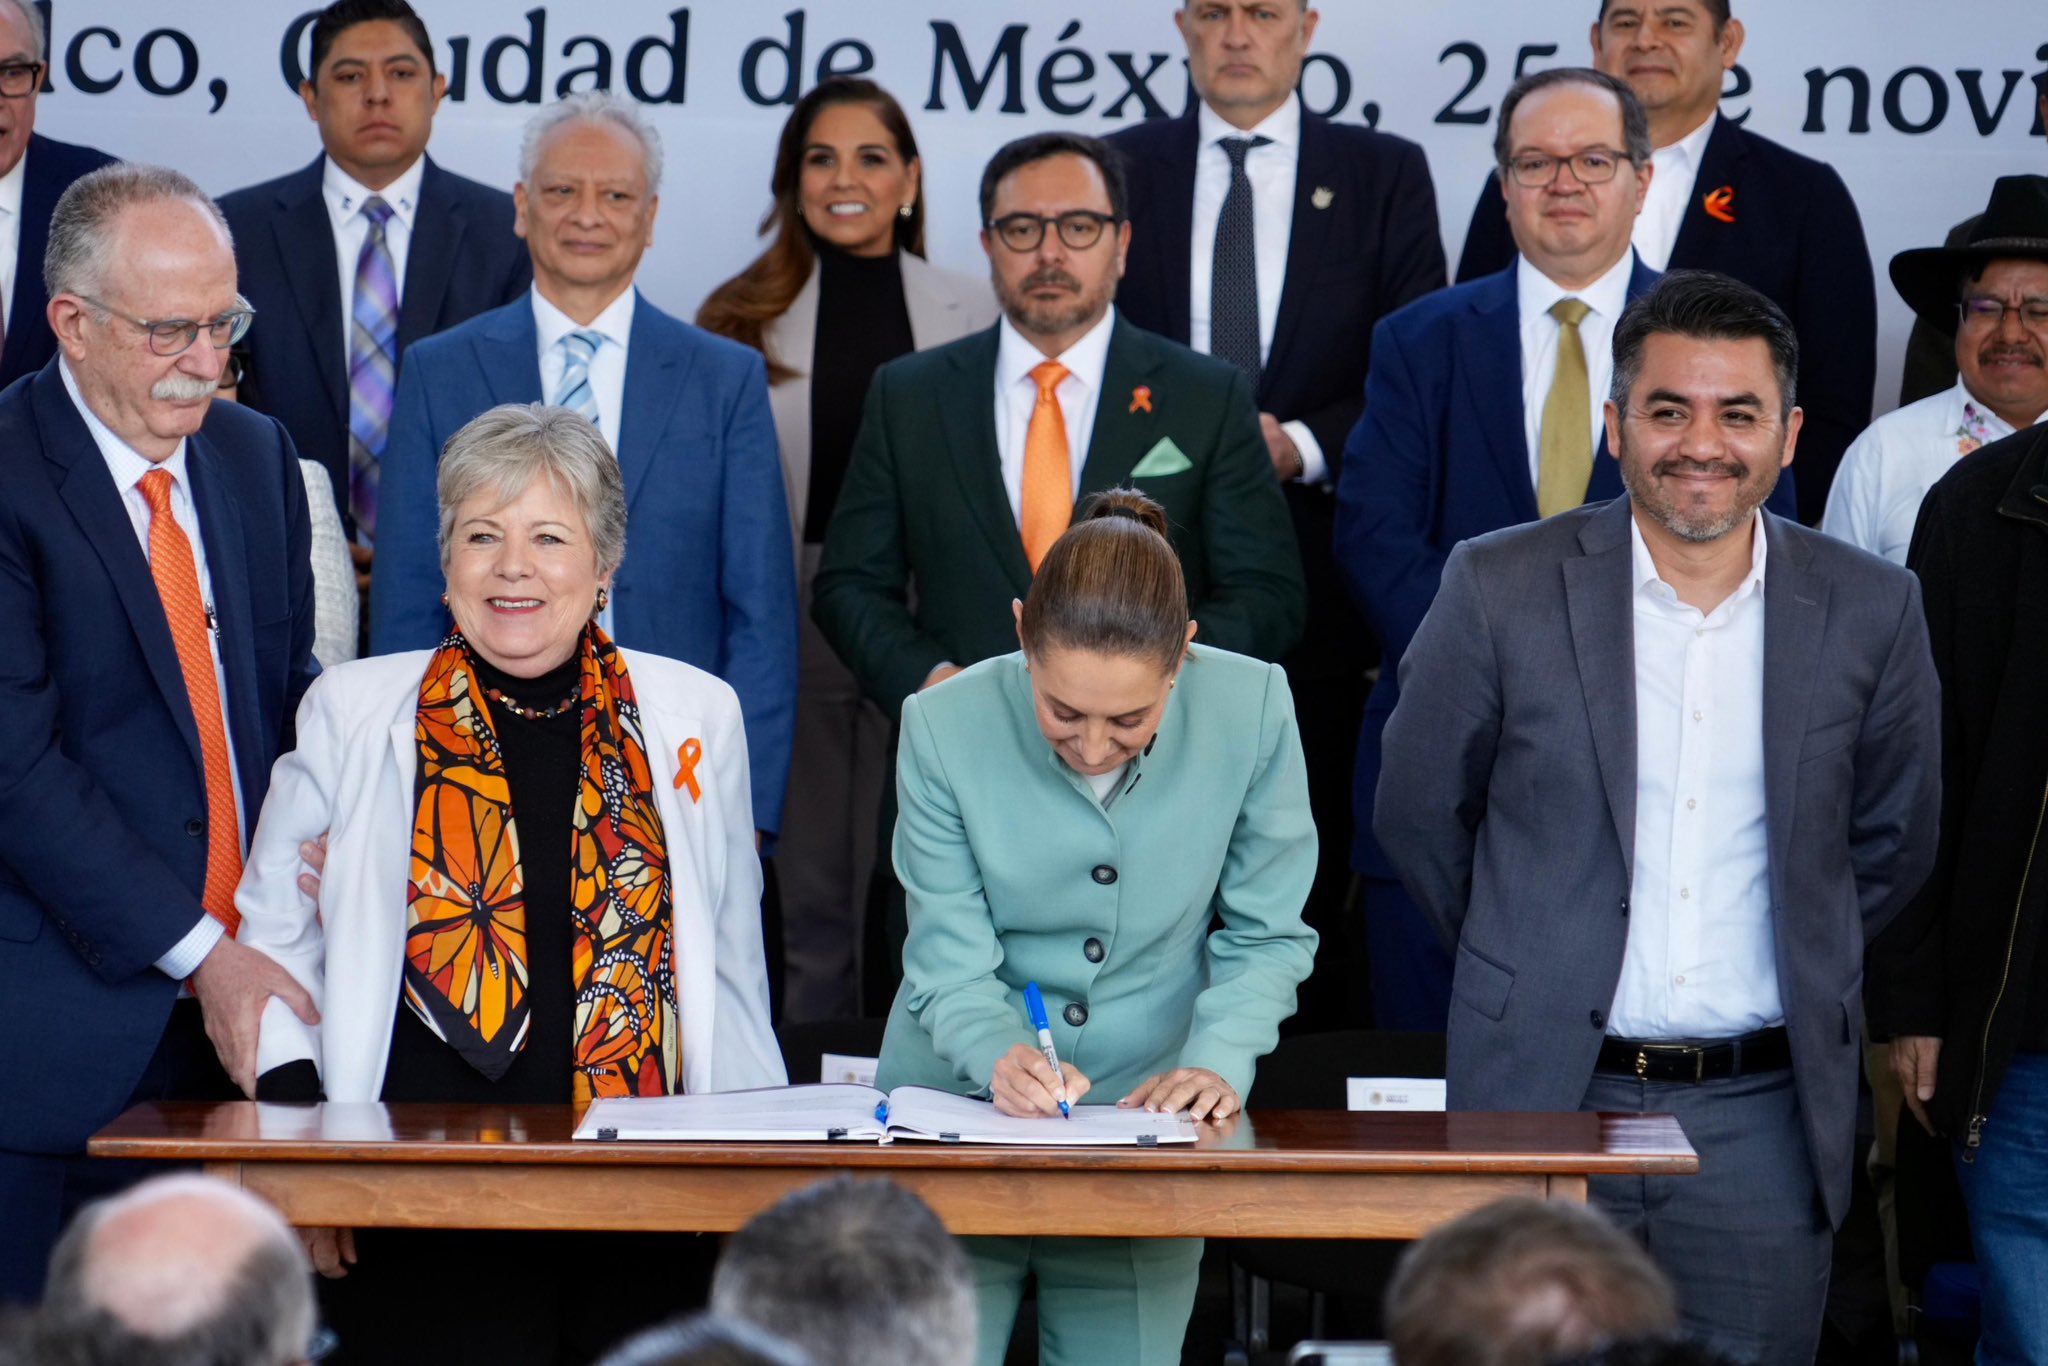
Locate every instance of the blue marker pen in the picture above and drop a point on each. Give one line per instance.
(1035, 1005)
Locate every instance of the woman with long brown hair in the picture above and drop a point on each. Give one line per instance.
(842, 288)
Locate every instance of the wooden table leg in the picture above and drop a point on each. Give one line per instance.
(230, 1172)
(1568, 1187)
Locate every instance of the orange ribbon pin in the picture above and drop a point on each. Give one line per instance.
(1141, 397)
(687, 755)
(1719, 204)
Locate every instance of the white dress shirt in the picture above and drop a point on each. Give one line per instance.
(1669, 196)
(345, 196)
(1017, 395)
(607, 367)
(127, 466)
(1887, 471)
(1271, 171)
(1535, 293)
(10, 237)
(1701, 960)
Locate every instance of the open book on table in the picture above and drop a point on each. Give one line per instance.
(861, 1114)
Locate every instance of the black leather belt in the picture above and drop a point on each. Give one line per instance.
(1767, 1050)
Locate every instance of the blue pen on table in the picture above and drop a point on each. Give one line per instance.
(1035, 1005)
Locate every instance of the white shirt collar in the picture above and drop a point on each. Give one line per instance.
(124, 462)
(10, 192)
(1647, 577)
(1967, 412)
(1690, 148)
(1535, 292)
(1085, 360)
(345, 194)
(614, 324)
(1282, 127)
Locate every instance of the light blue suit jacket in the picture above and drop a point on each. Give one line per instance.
(709, 576)
(1013, 869)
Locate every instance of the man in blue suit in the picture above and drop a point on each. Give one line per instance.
(1482, 410)
(34, 170)
(352, 259)
(1338, 224)
(709, 576)
(1729, 200)
(157, 605)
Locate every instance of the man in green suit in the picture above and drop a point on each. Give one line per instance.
(971, 456)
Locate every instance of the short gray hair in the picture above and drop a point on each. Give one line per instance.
(856, 1272)
(81, 247)
(39, 37)
(261, 1315)
(502, 452)
(591, 106)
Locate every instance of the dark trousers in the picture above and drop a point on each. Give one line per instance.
(1411, 967)
(39, 1192)
(461, 1297)
(1746, 1241)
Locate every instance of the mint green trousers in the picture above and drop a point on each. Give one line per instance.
(1101, 1301)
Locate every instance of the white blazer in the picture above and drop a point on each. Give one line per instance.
(352, 777)
(944, 305)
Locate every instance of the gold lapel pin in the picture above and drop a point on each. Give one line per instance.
(1322, 197)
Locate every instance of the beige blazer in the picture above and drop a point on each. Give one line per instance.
(352, 777)
(944, 306)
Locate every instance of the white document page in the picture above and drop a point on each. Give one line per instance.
(768, 1114)
(920, 1112)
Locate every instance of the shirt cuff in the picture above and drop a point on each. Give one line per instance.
(1314, 469)
(188, 953)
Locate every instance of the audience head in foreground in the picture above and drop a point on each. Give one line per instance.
(856, 1272)
(706, 1340)
(180, 1271)
(1522, 1282)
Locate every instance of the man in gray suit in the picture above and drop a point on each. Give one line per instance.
(1660, 768)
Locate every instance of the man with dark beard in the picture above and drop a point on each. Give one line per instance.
(972, 456)
(1661, 767)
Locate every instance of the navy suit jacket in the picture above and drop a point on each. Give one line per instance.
(1797, 239)
(463, 260)
(709, 576)
(1439, 456)
(102, 796)
(48, 168)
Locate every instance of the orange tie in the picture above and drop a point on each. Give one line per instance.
(1048, 490)
(177, 583)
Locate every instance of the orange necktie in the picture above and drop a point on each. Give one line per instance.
(1048, 490)
(177, 583)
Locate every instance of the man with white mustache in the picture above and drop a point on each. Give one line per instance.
(157, 600)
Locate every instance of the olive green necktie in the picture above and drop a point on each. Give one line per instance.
(1564, 453)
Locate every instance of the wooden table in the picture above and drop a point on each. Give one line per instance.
(1285, 1174)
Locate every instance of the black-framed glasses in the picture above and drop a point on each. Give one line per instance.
(172, 336)
(1080, 229)
(1988, 312)
(19, 78)
(1594, 166)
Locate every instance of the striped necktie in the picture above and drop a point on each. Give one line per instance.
(372, 364)
(574, 391)
(1234, 270)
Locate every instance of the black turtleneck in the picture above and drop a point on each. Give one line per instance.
(862, 324)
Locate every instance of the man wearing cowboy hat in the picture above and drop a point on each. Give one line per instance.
(1957, 981)
(1989, 296)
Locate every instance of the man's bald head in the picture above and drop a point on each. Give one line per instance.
(181, 1268)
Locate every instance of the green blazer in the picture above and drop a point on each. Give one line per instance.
(923, 556)
(1015, 873)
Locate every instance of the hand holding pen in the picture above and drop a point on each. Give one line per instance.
(1026, 1083)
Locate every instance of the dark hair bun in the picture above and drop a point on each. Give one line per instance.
(1128, 503)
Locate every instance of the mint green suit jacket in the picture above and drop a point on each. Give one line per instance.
(1007, 857)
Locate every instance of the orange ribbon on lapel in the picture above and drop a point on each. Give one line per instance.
(1719, 204)
(687, 755)
(1141, 397)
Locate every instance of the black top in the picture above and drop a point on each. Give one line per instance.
(863, 323)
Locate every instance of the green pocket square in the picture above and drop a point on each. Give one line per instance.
(1164, 458)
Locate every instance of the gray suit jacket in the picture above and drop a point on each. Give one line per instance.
(1507, 799)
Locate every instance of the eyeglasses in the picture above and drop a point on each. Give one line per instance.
(172, 336)
(1594, 166)
(19, 78)
(1984, 312)
(1080, 229)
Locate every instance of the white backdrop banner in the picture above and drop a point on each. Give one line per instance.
(1919, 106)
